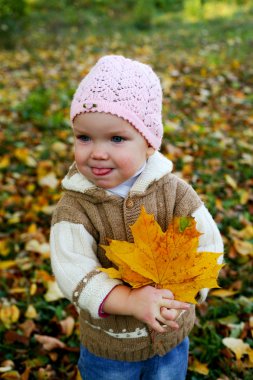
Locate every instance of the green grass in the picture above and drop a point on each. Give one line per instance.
(219, 33)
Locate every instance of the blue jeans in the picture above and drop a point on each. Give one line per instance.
(172, 366)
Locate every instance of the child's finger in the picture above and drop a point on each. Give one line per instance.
(169, 314)
(166, 293)
(172, 324)
(165, 323)
(171, 304)
(156, 326)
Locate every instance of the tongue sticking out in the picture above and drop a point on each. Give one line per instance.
(101, 171)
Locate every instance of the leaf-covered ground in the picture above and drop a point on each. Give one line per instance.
(207, 76)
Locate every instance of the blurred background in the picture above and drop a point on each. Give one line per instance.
(202, 52)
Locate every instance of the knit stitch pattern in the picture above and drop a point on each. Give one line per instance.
(125, 88)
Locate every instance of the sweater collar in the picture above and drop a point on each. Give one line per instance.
(157, 166)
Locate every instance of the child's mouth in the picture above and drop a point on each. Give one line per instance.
(101, 171)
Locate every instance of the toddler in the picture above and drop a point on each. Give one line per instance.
(125, 333)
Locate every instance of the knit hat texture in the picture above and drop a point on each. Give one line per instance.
(125, 88)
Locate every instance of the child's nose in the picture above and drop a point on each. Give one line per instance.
(99, 152)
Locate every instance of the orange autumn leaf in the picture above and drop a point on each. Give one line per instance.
(167, 260)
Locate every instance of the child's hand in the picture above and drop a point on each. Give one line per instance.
(171, 314)
(151, 306)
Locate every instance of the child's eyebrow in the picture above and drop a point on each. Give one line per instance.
(79, 131)
(119, 129)
(117, 132)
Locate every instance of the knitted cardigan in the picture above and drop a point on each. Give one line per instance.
(85, 218)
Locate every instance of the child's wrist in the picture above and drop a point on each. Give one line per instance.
(117, 301)
(101, 311)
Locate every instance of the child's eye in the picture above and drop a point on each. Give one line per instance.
(83, 138)
(117, 139)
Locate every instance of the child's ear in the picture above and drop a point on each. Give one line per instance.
(150, 151)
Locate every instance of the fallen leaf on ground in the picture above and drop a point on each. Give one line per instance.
(34, 246)
(222, 293)
(251, 325)
(243, 247)
(7, 264)
(199, 367)
(67, 325)
(9, 314)
(238, 347)
(49, 343)
(53, 292)
(49, 180)
(31, 312)
(28, 327)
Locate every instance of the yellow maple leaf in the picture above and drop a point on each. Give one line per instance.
(9, 314)
(238, 347)
(199, 367)
(167, 260)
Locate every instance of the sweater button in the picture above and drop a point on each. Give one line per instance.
(129, 203)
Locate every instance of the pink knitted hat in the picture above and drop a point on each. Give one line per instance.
(125, 88)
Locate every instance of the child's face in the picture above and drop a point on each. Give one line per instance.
(108, 150)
